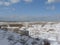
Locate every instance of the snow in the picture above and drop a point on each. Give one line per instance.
(12, 38)
(50, 32)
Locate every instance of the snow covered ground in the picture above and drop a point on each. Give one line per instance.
(47, 33)
(50, 31)
(12, 38)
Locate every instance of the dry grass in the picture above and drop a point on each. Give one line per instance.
(16, 25)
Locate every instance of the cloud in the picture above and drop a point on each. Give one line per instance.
(28, 0)
(50, 4)
(14, 1)
(1, 3)
(8, 2)
(50, 8)
(52, 1)
(4, 3)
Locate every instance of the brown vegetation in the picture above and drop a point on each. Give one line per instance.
(16, 25)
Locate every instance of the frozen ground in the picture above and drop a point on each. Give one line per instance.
(11, 38)
(47, 33)
(49, 30)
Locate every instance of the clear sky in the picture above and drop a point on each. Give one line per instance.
(29, 9)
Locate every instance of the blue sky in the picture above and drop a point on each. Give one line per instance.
(29, 9)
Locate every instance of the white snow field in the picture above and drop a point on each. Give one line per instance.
(11, 38)
(50, 31)
(39, 34)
